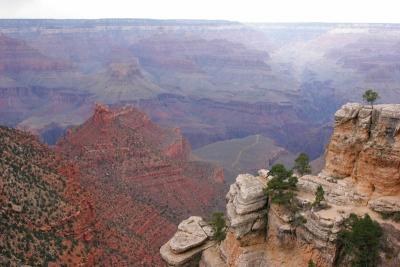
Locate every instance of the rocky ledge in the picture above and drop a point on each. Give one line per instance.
(185, 247)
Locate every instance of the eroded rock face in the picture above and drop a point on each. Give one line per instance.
(341, 192)
(366, 146)
(387, 204)
(246, 207)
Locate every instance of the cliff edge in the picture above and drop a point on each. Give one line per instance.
(361, 176)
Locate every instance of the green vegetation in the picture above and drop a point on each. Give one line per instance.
(319, 196)
(281, 187)
(218, 225)
(311, 263)
(359, 242)
(370, 96)
(302, 164)
(281, 190)
(33, 195)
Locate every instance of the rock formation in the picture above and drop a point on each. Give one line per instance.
(141, 180)
(193, 236)
(361, 175)
(366, 147)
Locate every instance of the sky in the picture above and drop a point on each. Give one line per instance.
(372, 11)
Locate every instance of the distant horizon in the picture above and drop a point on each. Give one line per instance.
(249, 11)
(205, 20)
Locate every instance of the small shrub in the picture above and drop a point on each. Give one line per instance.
(319, 196)
(218, 225)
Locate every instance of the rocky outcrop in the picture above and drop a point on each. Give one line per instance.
(246, 207)
(386, 204)
(360, 176)
(366, 147)
(185, 247)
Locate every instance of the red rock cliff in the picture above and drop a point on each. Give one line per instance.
(366, 147)
(141, 181)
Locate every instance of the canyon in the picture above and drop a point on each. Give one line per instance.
(360, 177)
(221, 98)
(141, 182)
(54, 71)
(109, 193)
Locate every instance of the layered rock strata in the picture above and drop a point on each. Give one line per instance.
(141, 180)
(366, 147)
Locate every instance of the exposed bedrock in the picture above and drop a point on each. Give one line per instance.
(365, 146)
(361, 176)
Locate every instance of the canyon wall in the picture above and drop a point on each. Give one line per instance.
(141, 181)
(46, 216)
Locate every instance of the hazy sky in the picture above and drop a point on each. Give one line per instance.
(241, 10)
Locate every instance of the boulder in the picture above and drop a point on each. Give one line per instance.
(190, 234)
(185, 247)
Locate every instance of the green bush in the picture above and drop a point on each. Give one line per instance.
(319, 195)
(359, 241)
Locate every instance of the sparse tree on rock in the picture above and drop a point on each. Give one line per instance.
(280, 189)
(302, 164)
(370, 96)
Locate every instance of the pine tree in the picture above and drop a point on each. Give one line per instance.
(370, 96)
(302, 164)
